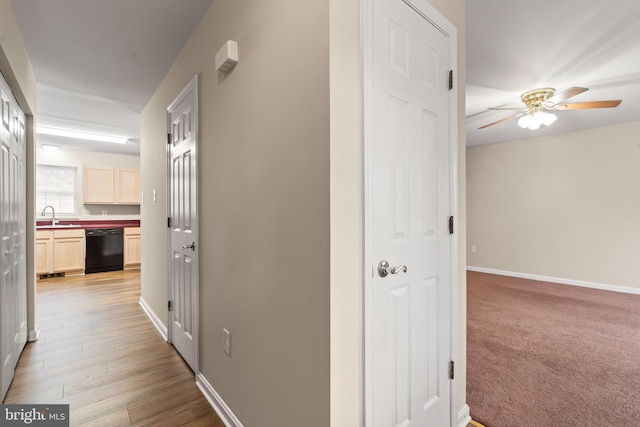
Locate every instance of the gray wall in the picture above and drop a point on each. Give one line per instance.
(565, 207)
(264, 207)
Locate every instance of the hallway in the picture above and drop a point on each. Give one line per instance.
(99, 353)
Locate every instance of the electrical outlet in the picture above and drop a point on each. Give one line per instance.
(226, 341)
(473, 248)
(104, 213)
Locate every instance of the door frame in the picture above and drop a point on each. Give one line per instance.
(445, 26)
(191, 86)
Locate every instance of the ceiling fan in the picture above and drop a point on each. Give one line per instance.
(539, 101)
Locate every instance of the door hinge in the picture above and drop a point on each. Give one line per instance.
(451, 225)
(450, 79)
(169, 222)
(451, 370)
(169, 306)
(169, 138)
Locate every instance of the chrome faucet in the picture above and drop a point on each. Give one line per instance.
(54, 221)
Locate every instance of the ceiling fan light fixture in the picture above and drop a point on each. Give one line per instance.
(549, 118)
(535, 119)
(528, 122)
(539, 101)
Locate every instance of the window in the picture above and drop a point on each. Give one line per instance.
(56, 186)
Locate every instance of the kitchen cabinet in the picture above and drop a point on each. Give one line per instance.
(99, 185)
(44, 252)
(128, 186)
(60, 251)
(132, 247)
(68, 250)
(106, 186)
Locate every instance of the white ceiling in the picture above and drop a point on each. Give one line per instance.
(97, 62)
(513, 46)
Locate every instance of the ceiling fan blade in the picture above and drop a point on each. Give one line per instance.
(501, 120)
(566, 94)
(585, 105)
(506, 107)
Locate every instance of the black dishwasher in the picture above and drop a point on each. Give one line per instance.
(104, 250)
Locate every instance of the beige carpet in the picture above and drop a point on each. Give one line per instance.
(543, 354)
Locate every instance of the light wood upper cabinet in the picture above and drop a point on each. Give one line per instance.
(132, 247)
(129, 186)
(106, 186)
(99, 185)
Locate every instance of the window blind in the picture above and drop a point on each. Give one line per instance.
(56, 186)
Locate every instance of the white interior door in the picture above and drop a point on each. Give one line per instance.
(183, 262)
(408, 207)
(13, 282)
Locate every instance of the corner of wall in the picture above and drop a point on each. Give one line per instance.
(346, 252)
(155, 320)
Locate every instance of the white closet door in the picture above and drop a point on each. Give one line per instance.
(13, 277)
(408, 206)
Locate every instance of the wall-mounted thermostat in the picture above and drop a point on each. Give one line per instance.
(227, 57)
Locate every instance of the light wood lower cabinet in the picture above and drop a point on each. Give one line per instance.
(60, 251)
(68, 250)
(44, 252)
(132, 247)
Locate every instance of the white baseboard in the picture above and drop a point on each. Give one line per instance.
(571, 282)
(224, 412)
(214, 399)
(464, 416)
(154, 319)
(34, 335)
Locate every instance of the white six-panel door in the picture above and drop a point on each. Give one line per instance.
(183, 263)
(13, 283)
(408, 327)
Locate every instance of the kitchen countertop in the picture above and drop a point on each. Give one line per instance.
(87, 223)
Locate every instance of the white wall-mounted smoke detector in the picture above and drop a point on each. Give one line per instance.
(227, 57)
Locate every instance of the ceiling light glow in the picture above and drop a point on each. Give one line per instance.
(81, 135)
(535, 119)
(50, 147)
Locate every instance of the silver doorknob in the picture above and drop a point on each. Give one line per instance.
(384, 269)
(191, 246)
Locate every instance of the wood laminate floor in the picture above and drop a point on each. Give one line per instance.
(99, 353)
